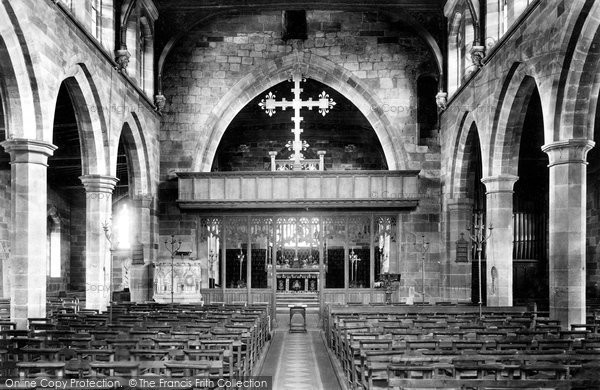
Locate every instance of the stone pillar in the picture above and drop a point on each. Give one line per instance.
(499, 248)
(98, 211)
(273, 154)
(142, 204)
(29, 162)
(456, 278)
(567, 229)
(321, 154)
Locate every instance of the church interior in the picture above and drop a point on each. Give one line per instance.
(356, 194)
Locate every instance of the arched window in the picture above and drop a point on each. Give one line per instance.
(504, 20)
(460, 42)
(122, 225)
(139, 40)
(460, 48)
(146, 50)
(53, 247)
(97, 19)
(454, 53)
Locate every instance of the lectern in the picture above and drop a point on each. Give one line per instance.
(301, 310)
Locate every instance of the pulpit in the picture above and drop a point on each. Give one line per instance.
(180, 278)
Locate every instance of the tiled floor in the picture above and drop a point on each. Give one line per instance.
(299, 361)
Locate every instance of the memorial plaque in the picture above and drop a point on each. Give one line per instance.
(462, 250)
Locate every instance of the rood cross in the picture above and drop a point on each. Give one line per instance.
(324, 104)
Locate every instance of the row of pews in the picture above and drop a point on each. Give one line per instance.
(132, 340)
(429, 347)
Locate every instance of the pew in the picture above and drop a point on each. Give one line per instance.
(431, 347)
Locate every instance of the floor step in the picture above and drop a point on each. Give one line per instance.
(311, 300)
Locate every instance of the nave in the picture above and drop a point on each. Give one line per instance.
(299, 361)
(349, 347)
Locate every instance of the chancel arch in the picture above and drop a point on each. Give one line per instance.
(344, 134)
(313, 67)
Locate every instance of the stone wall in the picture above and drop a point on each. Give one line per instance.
(215, 56)
(225, 54)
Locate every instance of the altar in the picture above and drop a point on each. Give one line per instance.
(177, 280)
(298, 280)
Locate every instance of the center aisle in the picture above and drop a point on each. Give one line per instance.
(299, 361)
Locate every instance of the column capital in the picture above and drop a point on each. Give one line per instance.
(23, 150)
(499, 183)
(99, 183)
(568, 151)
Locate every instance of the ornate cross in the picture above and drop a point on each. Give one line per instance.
(324, 104)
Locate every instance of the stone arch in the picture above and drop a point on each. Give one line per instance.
(461, 155)
(274, 72)
(580, 80)
(91, 121)
(18, 84)
(507, 123)
(133, 136)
